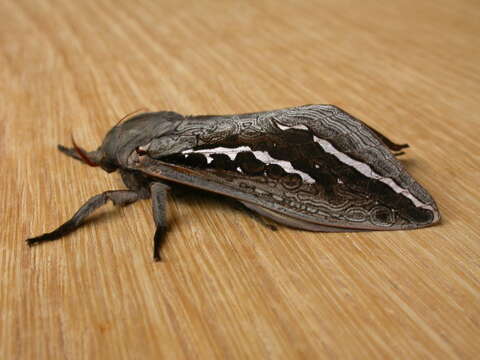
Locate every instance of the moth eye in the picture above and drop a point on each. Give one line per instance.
(275, 171)
(140, 151)
(196, 160)
(292, 181)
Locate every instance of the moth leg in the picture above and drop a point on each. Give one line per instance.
(159, 204)
(118, 197)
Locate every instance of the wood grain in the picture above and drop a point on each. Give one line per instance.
(230, 288)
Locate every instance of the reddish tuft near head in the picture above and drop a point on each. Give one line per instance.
(83, 154)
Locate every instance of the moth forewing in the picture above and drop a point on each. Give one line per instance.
(314, 163)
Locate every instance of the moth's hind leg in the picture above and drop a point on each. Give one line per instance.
(118, 197)
(159, 204)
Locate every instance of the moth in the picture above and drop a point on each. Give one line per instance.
(312, 167)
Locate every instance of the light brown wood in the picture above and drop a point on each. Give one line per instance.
(230, 288)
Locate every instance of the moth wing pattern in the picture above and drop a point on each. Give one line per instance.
(314, 167)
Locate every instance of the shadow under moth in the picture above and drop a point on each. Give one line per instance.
(311, 167)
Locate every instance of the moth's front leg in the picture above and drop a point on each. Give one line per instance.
(159, 204)
(118, 197)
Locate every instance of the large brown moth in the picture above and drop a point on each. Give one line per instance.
(311, 167)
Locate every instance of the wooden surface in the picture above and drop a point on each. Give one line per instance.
(229, 288)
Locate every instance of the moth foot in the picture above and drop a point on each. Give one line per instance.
(37, 240)
(158, 241)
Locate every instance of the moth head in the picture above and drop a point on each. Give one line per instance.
(124, 138)
(128, 136)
